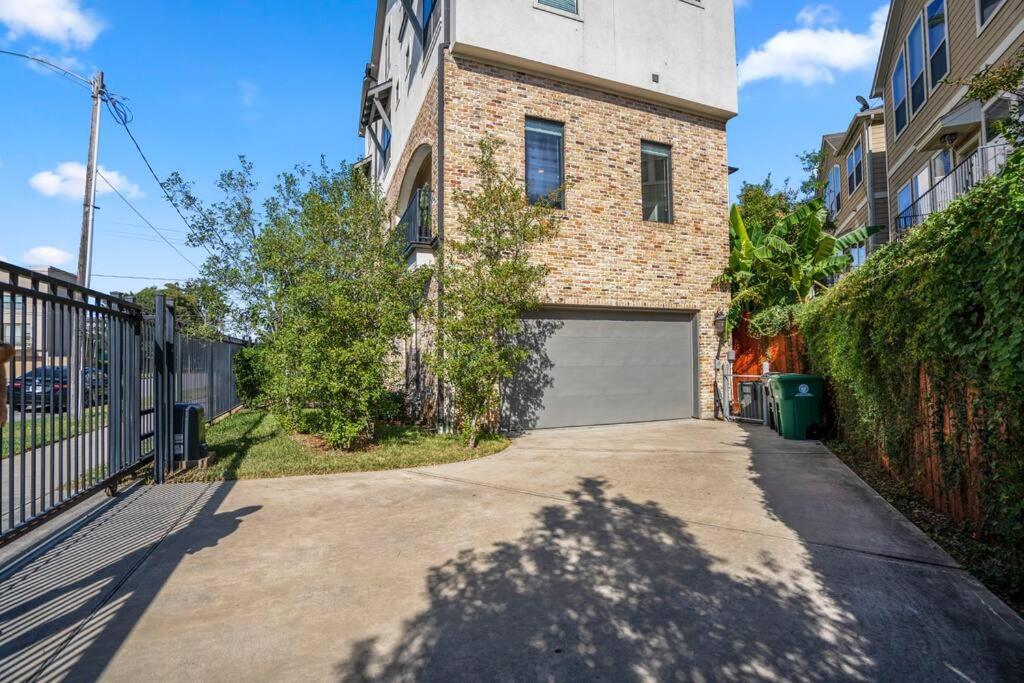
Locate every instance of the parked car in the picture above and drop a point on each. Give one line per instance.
(49, 388)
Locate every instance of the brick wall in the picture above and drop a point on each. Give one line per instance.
(606, 254)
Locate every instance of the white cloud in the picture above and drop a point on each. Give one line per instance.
(68, 180)
(818, 15)
(59, 21)
(816, 53)
(46, 256)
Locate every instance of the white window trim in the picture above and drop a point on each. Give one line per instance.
(977, 15)
(906, 90)
(928, 50)
(856, 185)
(924, 66)
(577, 16)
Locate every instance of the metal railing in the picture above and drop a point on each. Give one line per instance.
(90, 392)
(983, 162)
(416, 219)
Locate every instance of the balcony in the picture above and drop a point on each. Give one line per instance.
(419, 230)
(984, 162)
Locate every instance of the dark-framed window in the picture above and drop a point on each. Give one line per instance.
(986, 8)
(545, 161)
(571, 6)
(656, 181)
(938, 46)
(855, 168)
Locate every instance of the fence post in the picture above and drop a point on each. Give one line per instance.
(113, 396)
(159, 386)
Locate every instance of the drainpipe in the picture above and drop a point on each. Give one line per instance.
(442, 421)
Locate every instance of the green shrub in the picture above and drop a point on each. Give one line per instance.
(251, 376)
(948, 298)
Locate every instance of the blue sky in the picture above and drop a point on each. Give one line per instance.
(280, 83)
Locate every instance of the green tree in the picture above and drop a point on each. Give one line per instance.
(346, 301)
(772, 271)
(1004, 79)
(488, 283)
(200, 307)
(763, 205)
(814, 181)
(241, 237)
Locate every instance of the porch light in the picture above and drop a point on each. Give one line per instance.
(720, 323)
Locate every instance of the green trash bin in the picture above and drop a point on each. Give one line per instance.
(797, 404)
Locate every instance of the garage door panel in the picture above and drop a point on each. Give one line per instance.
(603, 367)
(636, 352)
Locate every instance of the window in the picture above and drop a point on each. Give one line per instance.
(571, 6)
(899, 95)
(986, 8)
(938, 52)
(995, 115)
(833, 190)
(904, 200)
(656, 181)
(858, 255)
(426, 10)
(915, 67)
(385, 144)
(942, 164)
(855, 168)
(544, 162)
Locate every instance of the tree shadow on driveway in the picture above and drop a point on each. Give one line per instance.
(608, 588)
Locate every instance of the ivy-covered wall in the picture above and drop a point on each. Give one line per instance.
(924, 349)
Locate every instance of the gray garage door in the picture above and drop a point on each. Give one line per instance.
(600, 367)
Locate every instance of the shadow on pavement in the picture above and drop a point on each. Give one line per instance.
(609, 588)
(67, 613)
(925, 618)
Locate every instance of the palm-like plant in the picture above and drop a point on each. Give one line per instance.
(771, 271)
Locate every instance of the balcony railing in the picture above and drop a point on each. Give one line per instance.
(984, 162)
(418, 228)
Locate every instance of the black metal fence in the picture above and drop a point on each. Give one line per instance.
(416, 219)
(90, 391)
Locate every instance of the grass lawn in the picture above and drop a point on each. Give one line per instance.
(42, 428)
(252, 445)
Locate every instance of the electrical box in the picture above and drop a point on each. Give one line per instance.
(189, 432)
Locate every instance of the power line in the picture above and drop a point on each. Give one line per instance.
(142, 277)
(81, 80)
(145, 220)
(123, 115)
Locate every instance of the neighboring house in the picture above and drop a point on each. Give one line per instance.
(940, 144)
(40, 333)
(853, 178)
(628, 102)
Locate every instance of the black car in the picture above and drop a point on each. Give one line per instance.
(49, 388)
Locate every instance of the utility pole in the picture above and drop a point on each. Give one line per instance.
(89, 202)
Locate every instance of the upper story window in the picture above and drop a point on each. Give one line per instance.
(833, 190)
(899, 95)
(545, 162)
(915, 67)
(656, 181)
(938, 47)
(570, 6)
(995, 114)
(855, 168)
(987, 8)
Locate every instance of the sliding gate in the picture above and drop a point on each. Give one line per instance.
(90, 392)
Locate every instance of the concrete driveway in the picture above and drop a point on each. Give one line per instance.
(669, 551)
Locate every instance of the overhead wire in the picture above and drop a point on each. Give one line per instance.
(145, 220)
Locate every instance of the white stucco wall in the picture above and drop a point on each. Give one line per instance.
(410, 85)
(615, 43)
